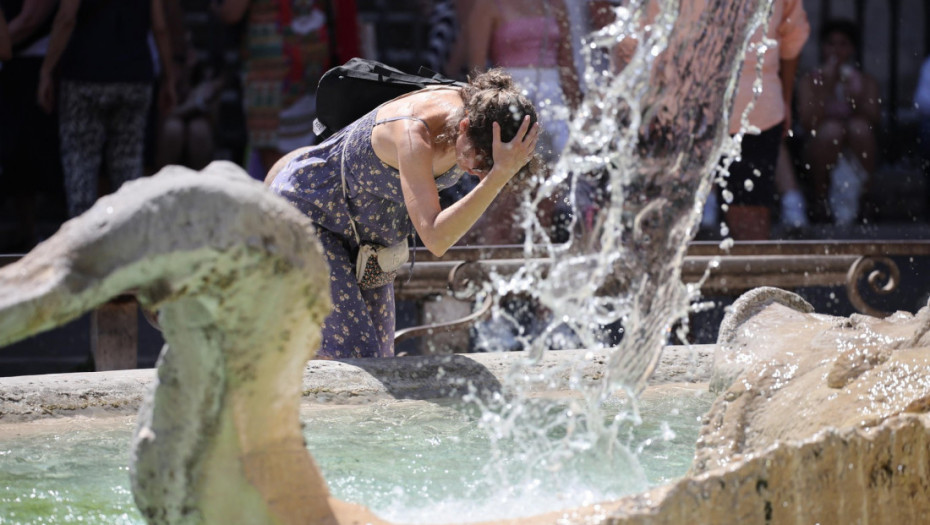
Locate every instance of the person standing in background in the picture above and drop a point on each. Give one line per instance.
(752, 179)
(29, 153)
(287, 51)
(531, 40)
(793, 205)
(100, 51)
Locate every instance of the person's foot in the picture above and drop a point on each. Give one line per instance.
(794, 211)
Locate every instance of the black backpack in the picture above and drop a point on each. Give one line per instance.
(345, 93)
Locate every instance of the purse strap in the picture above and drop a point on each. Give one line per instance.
(345, 188)
(345, 195)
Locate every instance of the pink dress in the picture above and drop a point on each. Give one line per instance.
(525, 42)
(788, 28)
(527, 48)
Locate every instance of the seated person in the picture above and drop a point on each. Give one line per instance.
(838, 108)
(186, 136)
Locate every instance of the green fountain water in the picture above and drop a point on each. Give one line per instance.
(409, 461)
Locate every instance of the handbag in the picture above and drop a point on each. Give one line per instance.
(375, 265)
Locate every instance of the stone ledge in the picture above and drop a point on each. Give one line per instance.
(26, 398)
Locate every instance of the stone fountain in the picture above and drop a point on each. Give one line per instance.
(819, 418)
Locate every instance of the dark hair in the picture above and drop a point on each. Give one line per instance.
(491, 97)
(844, 26)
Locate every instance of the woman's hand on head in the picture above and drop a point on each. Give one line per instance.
(509, 157)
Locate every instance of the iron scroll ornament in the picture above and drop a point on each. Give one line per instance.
(882, 275)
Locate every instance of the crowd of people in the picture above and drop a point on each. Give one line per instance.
(94, 93)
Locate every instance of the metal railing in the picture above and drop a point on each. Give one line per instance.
(746, 265)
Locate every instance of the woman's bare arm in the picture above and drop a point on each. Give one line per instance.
(32, 15)
(62, 28)
(439, 229)
(6, 48)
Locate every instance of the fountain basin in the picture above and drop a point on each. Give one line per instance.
(221, 440)
(422, 440)
(878, 473)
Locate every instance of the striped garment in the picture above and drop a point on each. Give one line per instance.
(287, 51)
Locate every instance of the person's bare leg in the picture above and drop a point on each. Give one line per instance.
(200, 146)
(749, 223)
(861, 140)
(785, 180)
(793, 205)
(170, 142)
(823, 150)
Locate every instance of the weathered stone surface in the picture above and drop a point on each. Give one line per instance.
(857, 475)
(732, 356)
(819, 405)
(346, 381)
(806, 372)
(241, 288)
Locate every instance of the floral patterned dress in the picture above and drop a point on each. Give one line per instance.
(362, 321)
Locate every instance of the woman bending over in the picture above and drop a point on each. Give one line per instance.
(374, 183)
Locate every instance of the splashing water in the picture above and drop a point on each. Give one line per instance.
(653, 138)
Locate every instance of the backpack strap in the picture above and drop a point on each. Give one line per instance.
(438, 78)
(345, 189)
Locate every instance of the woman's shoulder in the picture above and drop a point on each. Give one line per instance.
(427, 104)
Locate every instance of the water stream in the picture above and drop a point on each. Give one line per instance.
(653, 138)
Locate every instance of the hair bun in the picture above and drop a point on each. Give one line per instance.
(495, 78)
